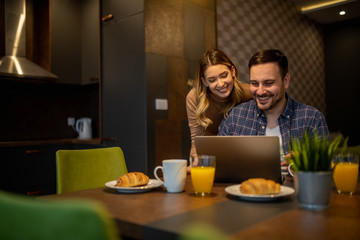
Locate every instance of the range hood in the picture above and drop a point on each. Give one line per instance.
(14, 64)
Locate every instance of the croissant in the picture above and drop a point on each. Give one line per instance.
(132, 179)
(259, 186)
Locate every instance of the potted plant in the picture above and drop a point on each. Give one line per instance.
(311, 161)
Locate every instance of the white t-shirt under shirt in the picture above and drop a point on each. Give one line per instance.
(276, 132)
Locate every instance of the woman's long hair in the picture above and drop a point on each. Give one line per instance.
(210, 58)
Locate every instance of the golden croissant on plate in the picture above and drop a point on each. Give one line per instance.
(259, 186)
(132, 179)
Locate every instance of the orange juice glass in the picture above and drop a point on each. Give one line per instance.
(203, 174)
(346, 173)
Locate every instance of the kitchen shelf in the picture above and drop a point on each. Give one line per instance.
(93, 141)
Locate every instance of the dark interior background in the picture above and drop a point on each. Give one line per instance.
(39, 111)
(173, 34)
(149, 50)
(342, 63)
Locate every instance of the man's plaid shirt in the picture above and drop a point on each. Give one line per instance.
(247, 119)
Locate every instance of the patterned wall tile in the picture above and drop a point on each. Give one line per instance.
(244, 27)
(164, 27)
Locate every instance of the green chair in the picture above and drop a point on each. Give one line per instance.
(89, 168)
(203, 231)
(33, 219)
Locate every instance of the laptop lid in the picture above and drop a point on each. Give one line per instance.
(239, 158)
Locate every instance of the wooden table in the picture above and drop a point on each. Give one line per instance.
(161, 215)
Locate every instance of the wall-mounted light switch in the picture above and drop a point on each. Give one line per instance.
(161, 104)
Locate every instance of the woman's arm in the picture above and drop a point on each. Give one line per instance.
(195, 128)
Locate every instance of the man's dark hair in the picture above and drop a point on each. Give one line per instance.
(270, 55)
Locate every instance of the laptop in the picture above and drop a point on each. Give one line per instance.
(239, 158)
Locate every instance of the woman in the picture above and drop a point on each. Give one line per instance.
(216, 90)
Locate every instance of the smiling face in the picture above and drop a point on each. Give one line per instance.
(220, 80)
(268, 87)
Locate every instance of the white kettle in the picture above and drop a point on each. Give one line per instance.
(83, 128)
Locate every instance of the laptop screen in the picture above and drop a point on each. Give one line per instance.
(239, 158)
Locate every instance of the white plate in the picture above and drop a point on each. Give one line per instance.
(235, 191)
(153, 183)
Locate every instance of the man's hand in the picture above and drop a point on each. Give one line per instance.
(286, 157)
(283, 163)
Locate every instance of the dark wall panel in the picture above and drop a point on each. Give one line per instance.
(123, 84)
(342, 51)
(176, 35)
(194, 31)
(157, 83)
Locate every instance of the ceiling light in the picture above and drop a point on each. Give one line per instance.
(325, 4)
(342, 12)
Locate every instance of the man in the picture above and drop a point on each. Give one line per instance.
(272, 112)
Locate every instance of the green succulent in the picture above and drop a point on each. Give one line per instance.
(312, 154)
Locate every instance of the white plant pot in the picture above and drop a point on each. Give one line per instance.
(313, 189)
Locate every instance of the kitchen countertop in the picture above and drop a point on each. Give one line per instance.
(50, 142)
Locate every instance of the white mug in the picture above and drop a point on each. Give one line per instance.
(174, 171)
(290, 171)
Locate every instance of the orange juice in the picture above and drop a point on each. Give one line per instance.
(332, 165)
(345, 176)
(202, 179)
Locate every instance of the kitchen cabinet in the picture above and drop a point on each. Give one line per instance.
(28, 170)
(75, 41)
(31, 170)
(123, 80)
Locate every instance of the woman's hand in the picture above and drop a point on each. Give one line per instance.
(193, 162)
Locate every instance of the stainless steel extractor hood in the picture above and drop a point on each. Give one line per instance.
(14, 64)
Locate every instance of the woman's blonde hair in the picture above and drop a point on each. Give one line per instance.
(210, 58)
